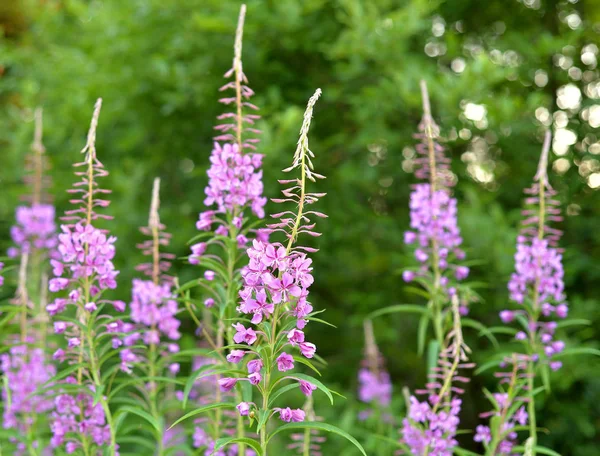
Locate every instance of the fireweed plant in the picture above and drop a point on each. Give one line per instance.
(26, 366)
(435, 238)
(82, 419)
(233, 198)
(268, 335)
(537, 289)
(150, 342)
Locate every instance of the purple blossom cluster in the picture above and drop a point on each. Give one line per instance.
(275, 285)
(34, 229)
(79, 416)
(153, 310)
(235, 180)
(274, 276)
(374, 387)
(25, 369)
(86, 254)
(537, 283)
(431, 430)
(433, 219)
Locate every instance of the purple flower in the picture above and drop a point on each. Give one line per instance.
(307, 388)
(235, 356)
(254, 366)
(482, 434)
(35, 229)
(243, 408)
(209, 275)
(244, 335)
(227, 383)
(255, 378)
(287, 415)
(374, 387)
(285, 362)
(307, 349)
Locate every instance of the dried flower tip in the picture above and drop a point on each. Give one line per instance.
(303, 154)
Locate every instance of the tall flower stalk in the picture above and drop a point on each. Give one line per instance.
(235, 187)
(25, 366)
(434, 228)
(85, 270)
(153, 311)
(275, 301)
(537, 283)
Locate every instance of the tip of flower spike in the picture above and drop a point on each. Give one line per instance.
(90, 146)
(542, 171)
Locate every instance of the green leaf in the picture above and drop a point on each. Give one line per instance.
(540, 450)
(432, 354)
(200, 410)
(280, 391)
(422, 333)
(397, 308)
(142, 414)
(578, 351)
(573, 322)
(307, 363)
(320, 427)
(221, 443)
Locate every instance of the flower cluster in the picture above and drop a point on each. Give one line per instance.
(86, 254)
(78, 415)
(374, 383)
(275, 285)
(272, 277)
(154, 309)
(431, 431)
(537, 283)
(374, 386)
(35, 229)
(433, 217)
(25, 369)
(235, 180)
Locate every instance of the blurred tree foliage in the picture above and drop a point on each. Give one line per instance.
(499, 71)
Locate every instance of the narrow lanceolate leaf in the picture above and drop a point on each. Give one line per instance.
(422, 333)
(222, 443)
(142, 414)
(578, 351)
(398, 308)
(198, 411)
(320, 427)
(538, 449)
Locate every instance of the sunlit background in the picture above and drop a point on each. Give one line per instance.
(499, 71)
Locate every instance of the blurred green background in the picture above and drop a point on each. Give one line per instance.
(499, 72)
